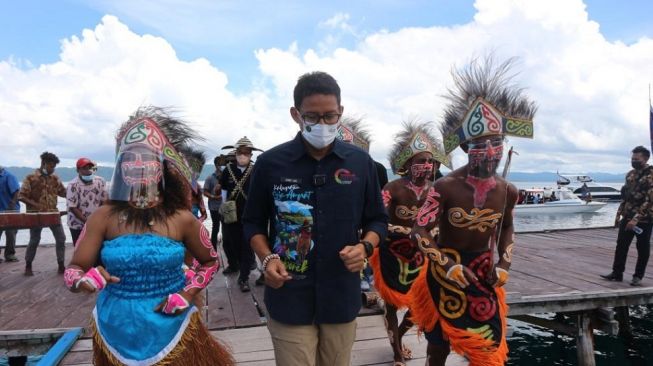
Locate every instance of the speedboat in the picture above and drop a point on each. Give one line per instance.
(559, 200)
(583, 184)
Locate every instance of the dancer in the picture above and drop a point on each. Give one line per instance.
(143, 314)
(459, 301)
(397, 262)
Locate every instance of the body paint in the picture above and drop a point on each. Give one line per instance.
(429, 211)
(481, 188)
(477, 219)
(204, 274)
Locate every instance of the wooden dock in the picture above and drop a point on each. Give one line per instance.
(552, 272)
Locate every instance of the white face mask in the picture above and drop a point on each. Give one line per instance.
(242, 160)
(320, 135)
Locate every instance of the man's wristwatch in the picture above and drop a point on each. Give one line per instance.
(369, 248)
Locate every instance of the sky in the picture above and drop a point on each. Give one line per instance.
(72, 71)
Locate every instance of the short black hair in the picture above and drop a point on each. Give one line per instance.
(316, 82)
(642, 150)
(219, 160)
(48, 157)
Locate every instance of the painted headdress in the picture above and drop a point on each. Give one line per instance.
(146, 144)
(485, 102)
(242, 142)
(414, 138)
(352, 131)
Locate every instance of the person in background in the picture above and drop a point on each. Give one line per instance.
(397, 262)
(9, 189)
(84, 194)
(352, 131)
(196, 160)
(634, 218)
(39, 193)
(536, 199)
(212, 190)
(313, 215)
(235, 183)
(585, 193)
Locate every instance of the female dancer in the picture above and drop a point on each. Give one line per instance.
(144, 313)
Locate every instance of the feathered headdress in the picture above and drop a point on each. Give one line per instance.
(353, 131)
(414, 138)
(485, 102)
(196, 158)
(157, 129)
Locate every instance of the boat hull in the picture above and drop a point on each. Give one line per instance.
(558, 208)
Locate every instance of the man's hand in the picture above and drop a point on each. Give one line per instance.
(461, 275)
(354, 257)
(631, 224)
(499, 277)
(276, 274)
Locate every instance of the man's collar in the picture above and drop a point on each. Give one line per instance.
(298, 149)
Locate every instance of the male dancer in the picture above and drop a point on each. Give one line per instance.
(459, 301)
(416, 154)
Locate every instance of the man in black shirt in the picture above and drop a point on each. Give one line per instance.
(634, 218)
(235, 183)
(314, 193)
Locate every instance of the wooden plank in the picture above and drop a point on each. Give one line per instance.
(77, 358)
(220, 312)
(253, 346)
(244, 307)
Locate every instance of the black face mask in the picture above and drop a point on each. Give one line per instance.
(636, 164)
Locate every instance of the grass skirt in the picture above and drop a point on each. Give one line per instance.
(196, 347)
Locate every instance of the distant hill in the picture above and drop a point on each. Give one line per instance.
(552, 177)
(106, 172)
(66, 174)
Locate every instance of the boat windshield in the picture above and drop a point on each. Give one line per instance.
(565, 195)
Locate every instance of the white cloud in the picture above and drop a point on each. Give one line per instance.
(73, 107)
(592, 93)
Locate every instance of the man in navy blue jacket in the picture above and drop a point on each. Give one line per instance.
(314, 213)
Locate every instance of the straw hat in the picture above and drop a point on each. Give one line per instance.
(243, 142)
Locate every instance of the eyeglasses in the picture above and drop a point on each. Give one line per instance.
(312, 119)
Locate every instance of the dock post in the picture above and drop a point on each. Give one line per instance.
(623, 317)
(585, 340)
